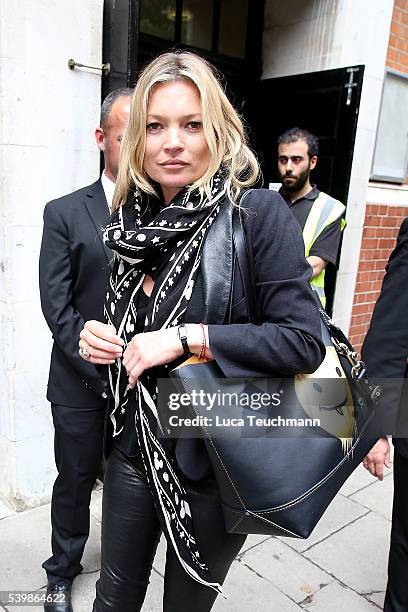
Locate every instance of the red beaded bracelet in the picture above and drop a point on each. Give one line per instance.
(203, 350)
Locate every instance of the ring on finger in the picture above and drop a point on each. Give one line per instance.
(84, 352)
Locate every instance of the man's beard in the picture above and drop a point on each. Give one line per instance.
(298, 183)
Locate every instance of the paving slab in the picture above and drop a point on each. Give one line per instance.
(83, 591)
(341, 512)
(377, 497)
(25, 543)
(91, 561)
(248, 592)
(377, 598)
(5, 510)
(154, 595)
(159, 562)
(356, 555)
(253, 540)
(286, 569)
(336, 598)
(359, 479)
(96, 504)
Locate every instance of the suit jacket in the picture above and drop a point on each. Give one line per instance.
(385, 348)
(74, 270)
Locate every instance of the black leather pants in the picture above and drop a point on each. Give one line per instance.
(130, 534)
(396, 598)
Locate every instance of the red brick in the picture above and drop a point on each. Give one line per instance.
(363, 287)
(365, 265)
(393, 41)
(370, 243)
(396, 14)
(384, 253)
(401, 45)
(376, 275)
(360, 329)
(402, 4)
(382, 210)
(380, 264)
(396, 29)
(386, 243)
(368, 255)
(392, 65)
(371, 232)
(386, 232)
(393, 55)
(389, 221)
(361, 309)
(364, 277)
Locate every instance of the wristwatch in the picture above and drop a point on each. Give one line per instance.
(182, 334)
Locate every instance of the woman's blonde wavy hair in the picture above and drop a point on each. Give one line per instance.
(222, 127)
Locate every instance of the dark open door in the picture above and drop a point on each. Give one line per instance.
(327, 104)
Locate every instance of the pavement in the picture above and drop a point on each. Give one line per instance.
(341, 567)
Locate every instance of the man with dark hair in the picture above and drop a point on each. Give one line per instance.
(318, 214)
(74, 270)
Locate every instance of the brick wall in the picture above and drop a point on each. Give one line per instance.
(397, 56)
(381, 226)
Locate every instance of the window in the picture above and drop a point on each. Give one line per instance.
(233, 27)
(197, 24)
(218, 26)
(158, 18)
(391, 148)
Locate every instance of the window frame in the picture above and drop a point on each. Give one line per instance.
(376, 174)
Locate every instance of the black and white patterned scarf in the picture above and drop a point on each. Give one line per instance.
(165, 244)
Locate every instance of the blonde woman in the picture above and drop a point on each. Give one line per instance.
(173, 291)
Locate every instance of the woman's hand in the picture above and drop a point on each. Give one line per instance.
(151, 349)
(99, 343)
(378, 456)
(159, 347)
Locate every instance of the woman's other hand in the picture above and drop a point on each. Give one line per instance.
(99, 343)
(159, 347)
(378, 456)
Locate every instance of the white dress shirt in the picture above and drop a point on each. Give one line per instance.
(109, 188)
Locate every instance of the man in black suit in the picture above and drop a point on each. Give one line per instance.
(385, 352)
(74, 269)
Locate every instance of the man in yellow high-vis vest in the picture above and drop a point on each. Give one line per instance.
(319, 215)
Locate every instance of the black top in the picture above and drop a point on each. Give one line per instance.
(127, 441)
(327, 244)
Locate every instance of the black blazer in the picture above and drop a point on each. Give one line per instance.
(74, 270)
(385, 348)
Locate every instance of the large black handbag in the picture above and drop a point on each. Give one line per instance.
(271, 480)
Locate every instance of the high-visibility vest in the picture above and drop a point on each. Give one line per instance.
(325, 210)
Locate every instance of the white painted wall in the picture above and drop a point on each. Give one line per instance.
(47, 149)
(312, 35)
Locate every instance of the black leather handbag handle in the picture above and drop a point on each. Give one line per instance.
(245, 264)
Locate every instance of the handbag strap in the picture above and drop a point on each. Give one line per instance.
(245, 262)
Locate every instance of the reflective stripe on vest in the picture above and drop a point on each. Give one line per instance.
(325, 210)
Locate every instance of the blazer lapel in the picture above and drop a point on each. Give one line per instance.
(97, 207)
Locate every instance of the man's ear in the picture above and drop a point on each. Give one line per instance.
(313, 162)
(100, 138)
